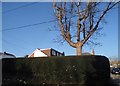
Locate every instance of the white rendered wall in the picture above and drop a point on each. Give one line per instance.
(38, 53)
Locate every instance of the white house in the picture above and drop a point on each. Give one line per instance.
(45, 53)
(6, 55)
(37, 53)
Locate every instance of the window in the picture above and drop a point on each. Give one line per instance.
(61, 55)
(53, 53)
(58, 54)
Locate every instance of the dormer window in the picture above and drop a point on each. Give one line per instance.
(53, 53)
(61, 55)
(58, 54)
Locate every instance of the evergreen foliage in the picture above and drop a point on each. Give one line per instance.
(86, 69)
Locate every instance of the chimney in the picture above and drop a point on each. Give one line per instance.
(93, 52)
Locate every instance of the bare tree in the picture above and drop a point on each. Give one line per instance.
(78, 21)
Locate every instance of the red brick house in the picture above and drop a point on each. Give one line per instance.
(45, 53)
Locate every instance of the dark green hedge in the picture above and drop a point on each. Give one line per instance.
(57, 70)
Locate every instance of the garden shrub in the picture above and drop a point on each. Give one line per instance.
(67, 70)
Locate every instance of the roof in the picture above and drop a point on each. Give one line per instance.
(4, 53)
(49, 49)
(86, 53)
(46, 51)
(35, 51)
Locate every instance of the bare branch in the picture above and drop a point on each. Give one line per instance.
(87, 16)
(96, 26)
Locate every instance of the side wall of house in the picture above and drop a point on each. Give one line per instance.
(38, 53)
(47, 52)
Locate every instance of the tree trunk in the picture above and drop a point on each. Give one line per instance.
(79, 50)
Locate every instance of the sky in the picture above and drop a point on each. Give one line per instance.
(23, 41)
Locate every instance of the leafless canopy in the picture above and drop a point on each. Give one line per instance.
(79, 20)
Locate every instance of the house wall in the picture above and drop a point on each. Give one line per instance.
(56, 53)
(47, 52)
(38, 53)
(32, 56)
(52, 52)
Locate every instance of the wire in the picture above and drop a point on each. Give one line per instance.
(14, 46)
(35, 24)
(30, 25)
(20, 7)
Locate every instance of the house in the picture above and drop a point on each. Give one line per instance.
(87, 53)
(6, 55)
(45, 53)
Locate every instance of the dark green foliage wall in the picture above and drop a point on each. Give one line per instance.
(57, 70)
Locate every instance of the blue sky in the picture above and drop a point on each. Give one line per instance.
(23, 41)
